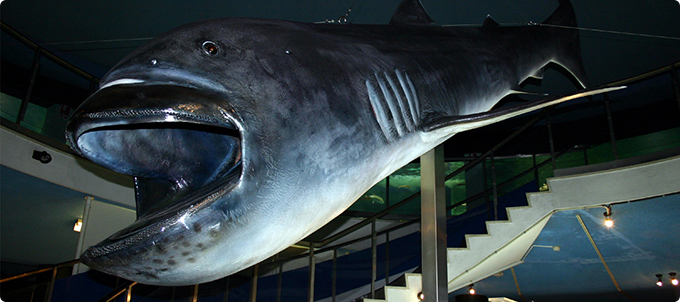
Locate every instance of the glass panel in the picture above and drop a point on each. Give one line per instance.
(17, 62)
(9, 107)
(455, 188)
(404, 183)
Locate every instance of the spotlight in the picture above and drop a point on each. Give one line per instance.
(674, 280)
(421, 296)
(608, 222)
(472, 290)
(659, 283)
(42, 156)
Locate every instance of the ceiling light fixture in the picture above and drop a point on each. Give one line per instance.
(659, 283)
(608, 222)
(78, 226)
(674, 280)
(472, 290)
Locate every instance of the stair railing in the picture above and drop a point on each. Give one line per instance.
(53, 269)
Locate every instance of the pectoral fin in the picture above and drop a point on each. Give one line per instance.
(455, 124)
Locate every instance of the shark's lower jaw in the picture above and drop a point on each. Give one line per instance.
(178, 166)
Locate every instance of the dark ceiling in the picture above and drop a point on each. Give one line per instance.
(620, 38)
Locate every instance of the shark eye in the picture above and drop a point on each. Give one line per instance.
(210, 48)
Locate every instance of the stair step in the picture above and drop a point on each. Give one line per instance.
(408, 293)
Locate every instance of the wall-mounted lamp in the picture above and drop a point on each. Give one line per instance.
(78, 226)
(674, 280)
(472, 289)
(659, 283)
(608, 222)
(421, 296)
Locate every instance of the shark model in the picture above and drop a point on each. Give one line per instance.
(246, 135)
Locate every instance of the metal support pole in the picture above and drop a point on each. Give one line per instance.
(27, 99)
(374, 258)
(611, 126)
(433, 225)
(253, 284)
(312, 268)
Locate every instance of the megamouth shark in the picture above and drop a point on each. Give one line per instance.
(246, 135)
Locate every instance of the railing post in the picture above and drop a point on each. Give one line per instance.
(128, 296)
(494, 187)
(387, 235)
(34, 75)
(676, 84)
(536, 175)
(312, 268)
(334, 277)
(387, 258)
(374, 259)
(50, 286)
(253, 284)
(611, 126)
(550, 139)
(279, 284)
(226, 292)
(194, 295)
(433, 225)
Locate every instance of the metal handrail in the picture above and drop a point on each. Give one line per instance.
(126, 287)
(42, 270)
(36, 47)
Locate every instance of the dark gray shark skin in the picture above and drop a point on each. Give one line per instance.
(245, 135)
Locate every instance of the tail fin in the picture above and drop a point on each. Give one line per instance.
(569, 57)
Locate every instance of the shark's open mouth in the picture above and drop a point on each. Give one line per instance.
(169, 138)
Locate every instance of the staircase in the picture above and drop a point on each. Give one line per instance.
(508, 241)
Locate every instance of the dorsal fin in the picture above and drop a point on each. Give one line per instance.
(411, 12)
(563, 15)
(489, 22)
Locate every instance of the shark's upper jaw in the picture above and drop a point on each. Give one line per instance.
(157, 133)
